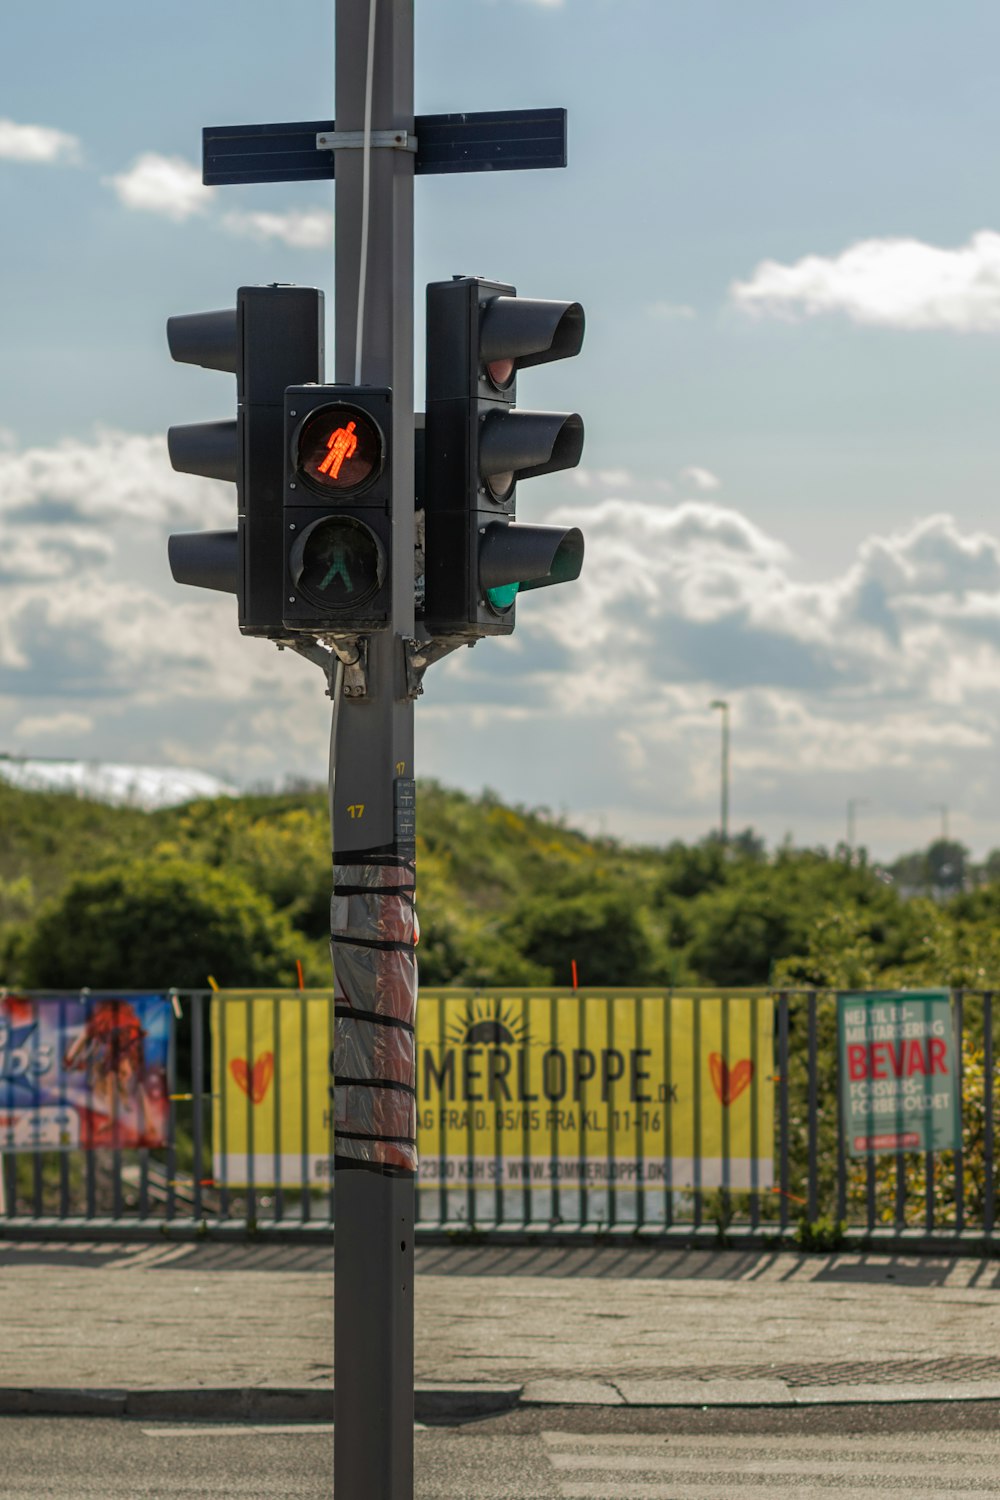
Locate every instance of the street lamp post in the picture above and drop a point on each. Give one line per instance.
(942, 808)
(723, 706)
(853, 803)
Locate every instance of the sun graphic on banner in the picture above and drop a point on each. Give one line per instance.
(491, 1023)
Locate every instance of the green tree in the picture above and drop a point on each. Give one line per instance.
(158, 923)
(602, 930)
(737, 934)
(280, 845)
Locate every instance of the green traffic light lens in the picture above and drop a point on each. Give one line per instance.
(338, 562)
(503, 597)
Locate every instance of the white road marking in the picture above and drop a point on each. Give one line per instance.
(659, 1466)
(238, 1429)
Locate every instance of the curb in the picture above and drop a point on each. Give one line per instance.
(440, 1404)
(431, 1403)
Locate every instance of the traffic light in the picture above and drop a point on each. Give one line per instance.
(271, 339)
(477, 447)
(338, 508)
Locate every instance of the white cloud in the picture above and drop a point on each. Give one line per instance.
(53, 726)
(697, 592)
(172, 187)
(300, 229)
(165, 185)
(700, 479)
(882, 680)
(116, 476)
(37, 143)
(93, 630)
(888, 283)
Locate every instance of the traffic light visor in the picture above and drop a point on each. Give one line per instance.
(524, 444)
(207, 339)
(204, 559)
(339, 450)
(519, 331)
(515, 557)
(207, 448)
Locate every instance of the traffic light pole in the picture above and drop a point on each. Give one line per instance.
(371, 796)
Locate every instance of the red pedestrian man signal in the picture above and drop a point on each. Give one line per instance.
(341, 445)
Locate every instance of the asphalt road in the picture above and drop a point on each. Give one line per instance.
(931, 1453)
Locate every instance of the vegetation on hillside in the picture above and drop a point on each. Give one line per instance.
(240, 887)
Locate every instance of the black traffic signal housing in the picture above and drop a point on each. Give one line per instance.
(271, 339)
(337, 523)
(477, 448)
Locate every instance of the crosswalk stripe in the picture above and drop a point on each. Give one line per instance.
(986, 1445)
(748, 1469)
(660, 1466)
(672, 1489)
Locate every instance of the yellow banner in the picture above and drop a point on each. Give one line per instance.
(271, 1109)
(516, 1090)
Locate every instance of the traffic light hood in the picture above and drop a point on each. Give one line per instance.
(530, 330)
(206, 339)
(523, 444)
(207, 448)
(205, 559)
(530, 556)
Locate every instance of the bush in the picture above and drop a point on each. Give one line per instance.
(158, 923)
(602, 931)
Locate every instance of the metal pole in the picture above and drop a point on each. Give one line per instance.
(373, 754)
(942, 808)
(720, 703)
(852, 806)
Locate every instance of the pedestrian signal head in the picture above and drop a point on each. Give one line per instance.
(337, 512)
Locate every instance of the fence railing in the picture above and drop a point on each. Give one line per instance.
(681, 1114)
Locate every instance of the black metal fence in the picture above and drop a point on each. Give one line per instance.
(676, 1114)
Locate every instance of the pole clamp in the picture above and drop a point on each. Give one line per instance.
(419, 655)
(353, 652)
(325, 651)
(354, 140)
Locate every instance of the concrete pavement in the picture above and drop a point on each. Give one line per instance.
(200, 1329)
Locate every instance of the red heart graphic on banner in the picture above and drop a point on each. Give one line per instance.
(255, 1082)
(729, 1082)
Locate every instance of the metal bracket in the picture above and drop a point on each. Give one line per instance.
(354, 140)
(326, 651)
(419, 655)
(352, 650)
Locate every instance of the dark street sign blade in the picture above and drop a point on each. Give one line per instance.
(265, 153)
(503, 140)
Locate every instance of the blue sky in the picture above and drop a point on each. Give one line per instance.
(781, 221)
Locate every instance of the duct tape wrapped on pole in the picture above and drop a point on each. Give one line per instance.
(375, 992)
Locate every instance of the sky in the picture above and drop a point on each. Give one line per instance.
(784, 225)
